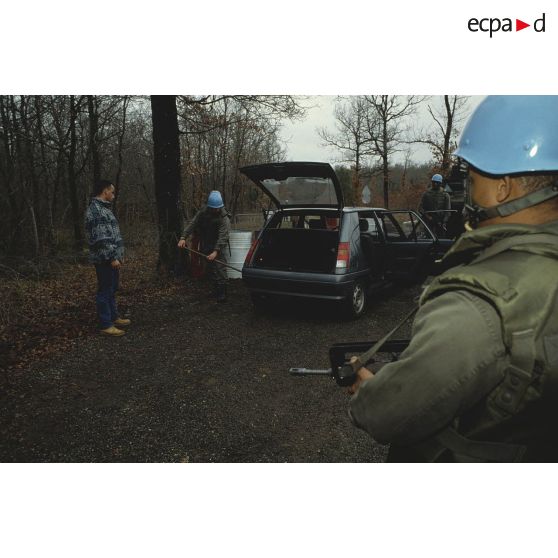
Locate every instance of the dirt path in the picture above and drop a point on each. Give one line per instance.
(194, 381)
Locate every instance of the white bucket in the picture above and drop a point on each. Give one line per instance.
(240, 242)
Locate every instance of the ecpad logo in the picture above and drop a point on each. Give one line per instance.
(494, 24)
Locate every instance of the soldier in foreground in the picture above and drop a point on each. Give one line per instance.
(479, 380)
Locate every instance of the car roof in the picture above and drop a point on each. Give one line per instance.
(345, 209)
(363, 209)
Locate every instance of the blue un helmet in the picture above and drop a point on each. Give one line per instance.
(215, 201)
(512, 135)
(437, 178)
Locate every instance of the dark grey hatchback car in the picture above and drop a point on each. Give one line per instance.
(313, 247)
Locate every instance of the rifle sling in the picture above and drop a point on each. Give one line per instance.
(366, 357)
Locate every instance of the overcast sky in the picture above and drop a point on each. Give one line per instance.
(304, 144)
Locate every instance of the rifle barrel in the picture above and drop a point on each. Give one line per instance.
(215, 260)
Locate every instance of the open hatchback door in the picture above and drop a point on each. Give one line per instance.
(297, 184)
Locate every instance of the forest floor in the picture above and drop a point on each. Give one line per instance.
(191, 381)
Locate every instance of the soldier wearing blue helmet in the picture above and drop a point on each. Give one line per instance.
(212, 224)
(435, 205)
(479, 380)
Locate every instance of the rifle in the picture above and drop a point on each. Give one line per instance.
(340, 354)
(344, 360)
(215, 260)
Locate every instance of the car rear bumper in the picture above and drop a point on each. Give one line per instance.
(299, 285)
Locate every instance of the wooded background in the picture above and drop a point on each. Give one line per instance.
(165, 153)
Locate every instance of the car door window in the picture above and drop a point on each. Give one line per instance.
(405, 226)
(392, 228)
(369, 226)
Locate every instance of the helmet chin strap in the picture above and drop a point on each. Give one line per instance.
(475, 214)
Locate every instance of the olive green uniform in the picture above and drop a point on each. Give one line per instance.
(435, 200)
(213, 230)
(479, 380)
(438, 201)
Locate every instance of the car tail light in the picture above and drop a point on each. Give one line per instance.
(250, 254)
(342, 255)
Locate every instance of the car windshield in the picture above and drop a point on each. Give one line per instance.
(302, 190)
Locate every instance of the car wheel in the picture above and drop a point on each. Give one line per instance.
(356, 301)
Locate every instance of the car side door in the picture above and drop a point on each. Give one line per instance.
(372, 245)
(411, 248)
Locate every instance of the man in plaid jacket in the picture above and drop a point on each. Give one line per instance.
(106, 251)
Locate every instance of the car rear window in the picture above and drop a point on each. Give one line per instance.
(302, 190)
(307, 221)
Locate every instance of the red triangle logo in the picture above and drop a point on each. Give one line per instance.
(519, 25)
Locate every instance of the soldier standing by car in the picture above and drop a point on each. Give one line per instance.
(212, 225)
(435, 205)
(479, 380)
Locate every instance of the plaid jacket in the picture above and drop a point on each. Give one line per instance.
(103, 233)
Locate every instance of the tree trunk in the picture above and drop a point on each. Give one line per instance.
(447, 136)
(35, 230)
(30, 172)
(48, 186)
(385, 161)
(93, 137)
(357, 186)
(72, 178)
(166, 150)
(121, 136)
(385, 172)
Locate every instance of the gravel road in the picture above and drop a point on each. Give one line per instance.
(194, 381)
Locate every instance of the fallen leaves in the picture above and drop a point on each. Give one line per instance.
(41, 317)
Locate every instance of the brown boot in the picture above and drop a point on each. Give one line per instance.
(120, 322)
(112, 331)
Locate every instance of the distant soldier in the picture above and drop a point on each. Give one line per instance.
(106, 250)
(434, 206)
(212, 226)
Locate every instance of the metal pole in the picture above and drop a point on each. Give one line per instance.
(215, 260)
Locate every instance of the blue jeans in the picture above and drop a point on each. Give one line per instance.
(107, 285)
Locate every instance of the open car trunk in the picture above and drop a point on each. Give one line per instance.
(304, 250)
(297, 184)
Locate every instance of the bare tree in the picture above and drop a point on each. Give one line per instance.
(53, 147)
(352, 121)
(75, 107)
(166, 151)
(222, 133)
(388, 128)
(442, 136)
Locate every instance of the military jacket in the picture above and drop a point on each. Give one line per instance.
(479, 380)
(213, 229)
(434, 200)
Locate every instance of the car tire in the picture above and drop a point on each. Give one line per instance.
(355, 304)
